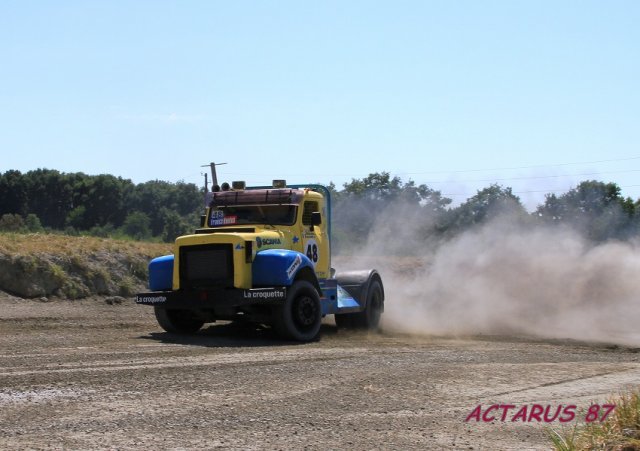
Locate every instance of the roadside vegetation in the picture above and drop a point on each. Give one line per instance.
(386, 205)
(75, 235)
(38, 265)
(77, 204)
(619, 432)
(63, 245)
(101, 205)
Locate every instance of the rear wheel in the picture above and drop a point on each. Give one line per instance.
(178, 321)
(369, 318)
(300, 316)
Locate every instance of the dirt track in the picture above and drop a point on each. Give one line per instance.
(80, 375)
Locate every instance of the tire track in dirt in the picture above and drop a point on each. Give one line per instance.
(134, 387)
(182, 362)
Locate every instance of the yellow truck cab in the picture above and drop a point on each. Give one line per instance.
(263, 255)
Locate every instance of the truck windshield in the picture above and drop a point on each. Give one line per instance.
(253, 214)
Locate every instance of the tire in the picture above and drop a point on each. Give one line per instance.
(300, 316)
(178, 321)
(369, 318)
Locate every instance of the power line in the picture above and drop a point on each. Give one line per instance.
(535, 177)
(490, 180)
(507, 179)
(456, 171)
(526, 167)
(546, 191)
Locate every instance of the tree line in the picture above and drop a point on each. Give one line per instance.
(379, 207)
(100, 205)
(105, 205)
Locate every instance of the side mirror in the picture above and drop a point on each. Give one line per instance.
(316, 219)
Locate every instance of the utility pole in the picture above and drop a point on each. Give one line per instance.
(214, 176)
(214, 182)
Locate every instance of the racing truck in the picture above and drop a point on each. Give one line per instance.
(263, 255)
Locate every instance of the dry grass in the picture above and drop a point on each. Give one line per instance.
(620, 432)
(42, 265)
(39, 243)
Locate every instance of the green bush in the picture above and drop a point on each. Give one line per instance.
(137, 225)
(11, 223)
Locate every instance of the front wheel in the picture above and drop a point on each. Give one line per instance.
(178, 321)
(300, 316)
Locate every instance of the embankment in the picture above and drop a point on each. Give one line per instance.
(43, 265)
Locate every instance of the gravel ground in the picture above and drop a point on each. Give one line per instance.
(88, 375)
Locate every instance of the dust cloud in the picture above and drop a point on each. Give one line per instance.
(505, 278)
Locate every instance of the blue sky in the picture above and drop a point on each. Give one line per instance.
(537, 95)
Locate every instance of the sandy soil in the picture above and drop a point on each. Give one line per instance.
(80, 375)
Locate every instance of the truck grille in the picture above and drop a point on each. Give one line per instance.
(206, 266)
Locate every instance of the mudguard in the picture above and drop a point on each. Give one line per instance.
(278, 267)
(357, 283)
(161, 273)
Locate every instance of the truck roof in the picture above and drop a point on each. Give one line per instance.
(281, 196)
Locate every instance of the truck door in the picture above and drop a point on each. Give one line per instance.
(315, 243)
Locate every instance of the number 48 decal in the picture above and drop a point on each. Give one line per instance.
(312, 251)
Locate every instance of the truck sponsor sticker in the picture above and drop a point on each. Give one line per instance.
(267, 294)
(312, 251)
(267, 242)
(294, 266)
(151, 299)
(219, 219)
